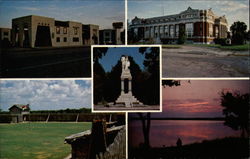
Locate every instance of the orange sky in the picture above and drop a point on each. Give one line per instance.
(199, 98)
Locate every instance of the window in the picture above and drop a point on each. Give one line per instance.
(216, 32)
(58, 39)
(171, 31)
(64, 30)
(156, 31)
(75, 30)
(58, 30)
(107, 33)
(151, 32)
(189, 29)
(75, 39)
(177, 30)
(5, 33)
(210, 29)
(147, 32)
(161, 31)
(64, 39)
(166, 30)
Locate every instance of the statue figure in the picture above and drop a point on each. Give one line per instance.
(125, 63)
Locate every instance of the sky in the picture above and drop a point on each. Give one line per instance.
(102, 13)
(235, 10)
(199, 98)
(46, 94)
(113, 55)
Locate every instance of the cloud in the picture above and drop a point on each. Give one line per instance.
(230, 6)
(46, 94)
(29, 8)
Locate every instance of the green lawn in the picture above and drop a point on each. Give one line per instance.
(37, 140)
(244, 47)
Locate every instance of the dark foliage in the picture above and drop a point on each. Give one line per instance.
(238, 30)
(236, 110)
(182, 36)
(171, 83)
(145, 83)
(220, 148)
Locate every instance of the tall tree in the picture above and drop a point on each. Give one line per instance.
(146, 117)
(182, 36)
(236, 111)
(238, 30)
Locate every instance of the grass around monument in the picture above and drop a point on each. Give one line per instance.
(37, 140)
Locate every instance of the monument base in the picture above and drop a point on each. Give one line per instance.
(127, 100)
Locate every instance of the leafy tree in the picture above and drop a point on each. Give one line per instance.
(236, 110)
(152, 66)
(182, 36)
(99, 81)
(99, 52)
(238, 30)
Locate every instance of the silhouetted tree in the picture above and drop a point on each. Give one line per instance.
(99, 81)
(146, 117)
(146, 121)
(238, 30)
(236, 111)
(98, 52)
(152, 66)
(170, 83)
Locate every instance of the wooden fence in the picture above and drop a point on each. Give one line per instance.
(116, 150)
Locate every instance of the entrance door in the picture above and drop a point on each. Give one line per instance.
(43, 37)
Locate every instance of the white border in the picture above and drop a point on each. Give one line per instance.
(116, 111)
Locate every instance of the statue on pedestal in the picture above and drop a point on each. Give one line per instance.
(126, 98)
(125, 63)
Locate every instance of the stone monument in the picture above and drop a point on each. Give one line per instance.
(126, 98)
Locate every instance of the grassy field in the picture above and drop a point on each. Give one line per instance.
(37, 140)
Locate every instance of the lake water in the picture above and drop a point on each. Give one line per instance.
(166, 132)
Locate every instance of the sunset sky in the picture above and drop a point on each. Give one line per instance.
(102, 13)
(199, 98)
(235, 10)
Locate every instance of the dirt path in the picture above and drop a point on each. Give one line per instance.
(192, 61)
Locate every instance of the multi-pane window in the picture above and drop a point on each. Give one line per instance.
(147, 30)
(136, 31)
(64, 30)
(58, 39)
(152, 32)
(75, 39)
(210, 30)
(64, 39)
(6, 33)
(166, 30)
(156, 31)
(58, 30)
(216, 32)
(161, 31)
(189, 29)
(75, 30)
(176, 30)
(171, 31)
